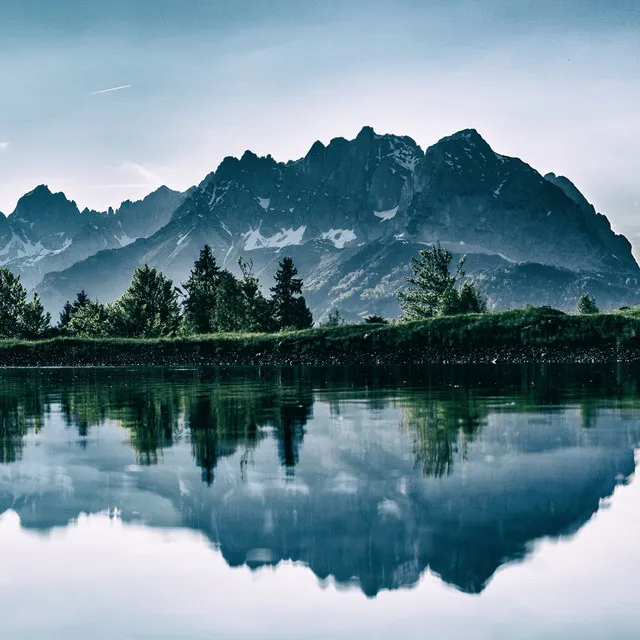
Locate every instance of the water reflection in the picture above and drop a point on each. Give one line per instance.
(365, 475)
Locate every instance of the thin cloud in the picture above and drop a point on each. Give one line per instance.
(124, 86)
(142, 172)
(4, 145)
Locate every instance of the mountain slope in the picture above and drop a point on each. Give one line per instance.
(353, 212)
(46, 232)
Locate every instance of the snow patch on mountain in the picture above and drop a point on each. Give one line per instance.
(264, 203)
(67, 243)
(386, 215)
(496, 193)
(18, 248)
(219, 192)
(123, 240)
(284, 238)
(339, 237)
(182, 238)
(404, 155)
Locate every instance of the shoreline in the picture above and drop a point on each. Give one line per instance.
(522, 336)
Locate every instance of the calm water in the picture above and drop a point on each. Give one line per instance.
(457, 502)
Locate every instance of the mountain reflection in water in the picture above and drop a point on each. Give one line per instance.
(365, 475)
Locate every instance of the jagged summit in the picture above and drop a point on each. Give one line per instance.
(41, 200)
(351, 213)
(570, 190)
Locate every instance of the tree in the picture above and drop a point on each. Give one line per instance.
(69, 309)
(587, 304)
(289, 306)
(91, 320)
(449, 303)
(431, 280)
(230, 306)
(35, 322)
(375, 320)
(65, 315)
(334, 319)
(257, 307)
(149, 307)
(470, 300)
(81, 300)
(13, 297)
(200, 302)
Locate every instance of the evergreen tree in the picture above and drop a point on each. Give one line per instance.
(289, 306)
(91, 320)
(587, 305)
(81, 300)
(257, 310)
(65, 315)
(69, 309)
(470, 300)
(13, 297)
(230, 306)
(448, 303)
(200, 302)
(375, 320)
(334, 319)
(149, 308)
(35, 321)
(431, 281)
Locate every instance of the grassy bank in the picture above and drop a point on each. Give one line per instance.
(525, 335)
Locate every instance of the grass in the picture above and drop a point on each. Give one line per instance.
(521, 334)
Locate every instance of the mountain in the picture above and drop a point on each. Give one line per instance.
(352, 214)
(46, 232)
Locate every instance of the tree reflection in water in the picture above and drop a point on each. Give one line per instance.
(365, 473)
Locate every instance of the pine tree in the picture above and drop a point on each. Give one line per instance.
(289, 306)
(69, 309)
(257, 308)
(375, 320)
(149, 308)
(470, 300)
(448, 303)
(92, 320)
(431, 280)
(65, 315)
(200, 302)
(230, 307)
(35, 322)
(13, 297)
(334, 319)
(81, 300)
(587, 305)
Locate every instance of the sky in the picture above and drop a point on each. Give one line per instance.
(556, 83)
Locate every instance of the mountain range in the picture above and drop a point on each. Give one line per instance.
(352, 214)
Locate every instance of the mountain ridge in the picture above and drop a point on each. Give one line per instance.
(352, 213)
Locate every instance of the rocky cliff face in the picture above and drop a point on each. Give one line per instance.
(352, 214)
(47, 233)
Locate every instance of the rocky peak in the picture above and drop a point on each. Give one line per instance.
(41, 204)
(5, 228)
(463, 151)
(45, 219)
(249, 166)
(144, 217)
(570, 190)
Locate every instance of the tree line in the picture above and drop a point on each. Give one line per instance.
(212, 300)
(435, 289)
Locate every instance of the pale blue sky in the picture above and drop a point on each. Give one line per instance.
(556, 83)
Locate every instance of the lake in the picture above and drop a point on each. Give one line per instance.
(299, 502)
